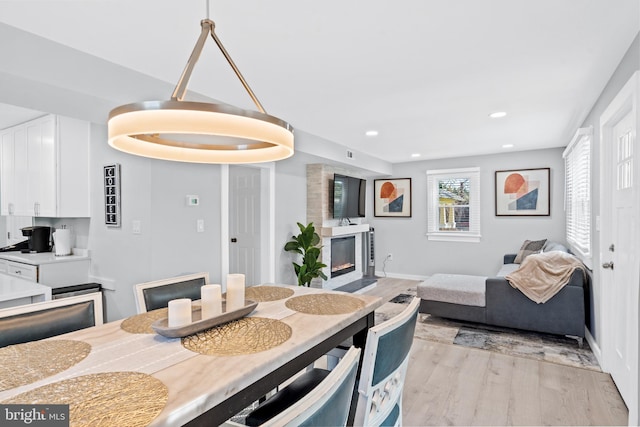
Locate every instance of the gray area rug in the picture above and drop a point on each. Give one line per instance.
(531, 345)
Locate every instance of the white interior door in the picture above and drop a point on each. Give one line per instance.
(620, 251)
(244, 222)
(266, 216)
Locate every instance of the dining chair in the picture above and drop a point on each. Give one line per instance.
(384, 367)
(157, 294)
(378, 395)
(325, 402)
(46, 319)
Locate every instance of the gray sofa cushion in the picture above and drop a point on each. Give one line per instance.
(529, 247)
(506, 269)
(454, 288)
(555, 246)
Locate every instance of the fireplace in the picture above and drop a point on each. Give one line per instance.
(343, 255)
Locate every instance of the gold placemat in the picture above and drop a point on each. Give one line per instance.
(243, 336)
(30, 362)
(324, 304)
(267, 293)
(141, 323)
(106, 399)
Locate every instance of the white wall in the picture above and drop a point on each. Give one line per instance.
(629, 64)
(291, 208)
(153, 192)
(414, 255)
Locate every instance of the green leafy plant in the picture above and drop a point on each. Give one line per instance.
(307, 244)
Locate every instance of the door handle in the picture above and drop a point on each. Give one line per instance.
(608, 265)
(234, 240)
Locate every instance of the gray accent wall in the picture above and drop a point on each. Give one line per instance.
(153, 192)
(414, 256)
(630, 64)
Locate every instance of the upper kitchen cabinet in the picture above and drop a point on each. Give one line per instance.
(45, 168)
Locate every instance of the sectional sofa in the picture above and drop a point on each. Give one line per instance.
(493, 301)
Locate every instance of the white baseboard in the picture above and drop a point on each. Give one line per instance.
(594, 346)
(401, 276)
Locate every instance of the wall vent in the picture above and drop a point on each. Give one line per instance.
(349, 154)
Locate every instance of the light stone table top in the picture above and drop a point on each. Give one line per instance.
(197, 383)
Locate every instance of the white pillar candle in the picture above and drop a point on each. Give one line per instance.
(211, 300)
(235, 291)
(179, 312)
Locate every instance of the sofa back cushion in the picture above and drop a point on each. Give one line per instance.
(555, 246)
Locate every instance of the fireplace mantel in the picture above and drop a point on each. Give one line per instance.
(343, 230)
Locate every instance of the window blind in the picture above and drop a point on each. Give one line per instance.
(577, 158)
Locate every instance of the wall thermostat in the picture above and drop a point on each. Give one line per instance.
(193, 200)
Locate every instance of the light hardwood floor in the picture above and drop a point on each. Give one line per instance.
(455, 385)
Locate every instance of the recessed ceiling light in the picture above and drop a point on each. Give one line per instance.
(415, 155)
(507, 146)
(371, 133)
(497, 114)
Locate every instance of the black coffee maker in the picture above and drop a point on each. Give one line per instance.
(39, 238)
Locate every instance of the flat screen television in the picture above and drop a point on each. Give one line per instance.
(348, 196)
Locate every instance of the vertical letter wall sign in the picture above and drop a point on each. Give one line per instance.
(112, 195)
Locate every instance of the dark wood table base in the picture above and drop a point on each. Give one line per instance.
(244, 398)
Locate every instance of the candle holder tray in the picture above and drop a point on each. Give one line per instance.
(161, 326)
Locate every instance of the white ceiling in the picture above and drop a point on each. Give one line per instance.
(424, 73)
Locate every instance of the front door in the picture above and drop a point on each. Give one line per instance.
(619, 248)
(244, 222)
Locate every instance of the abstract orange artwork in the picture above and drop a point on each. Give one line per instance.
(523, 192)
(392, 197)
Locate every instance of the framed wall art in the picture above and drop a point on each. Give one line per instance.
(392, 197)
(523, 192)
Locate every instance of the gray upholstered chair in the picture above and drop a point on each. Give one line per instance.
(384, 366)
(46, 319)
(379, 390)
(157, 294)
(323, 403)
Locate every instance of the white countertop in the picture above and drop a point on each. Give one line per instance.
(12, 288)
(40, 258)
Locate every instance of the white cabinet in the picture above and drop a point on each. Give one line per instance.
(25, 271)
(46, 269)
(45, 168)
(7, 169)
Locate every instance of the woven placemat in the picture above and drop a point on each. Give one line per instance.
(324, 304)
(106, 399)
(267, 293)
(243, 336)
(26, 363)
(141, 323)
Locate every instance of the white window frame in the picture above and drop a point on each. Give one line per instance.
(577, 194)
(433, 232)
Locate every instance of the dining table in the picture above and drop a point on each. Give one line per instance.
(125, 373)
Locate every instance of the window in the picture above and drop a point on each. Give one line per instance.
(577, 162)
(453, 205)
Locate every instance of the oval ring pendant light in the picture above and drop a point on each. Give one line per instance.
(200, 132)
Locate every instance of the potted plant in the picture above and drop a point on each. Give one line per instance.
(307, 243)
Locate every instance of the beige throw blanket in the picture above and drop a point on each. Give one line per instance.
(543, 275)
